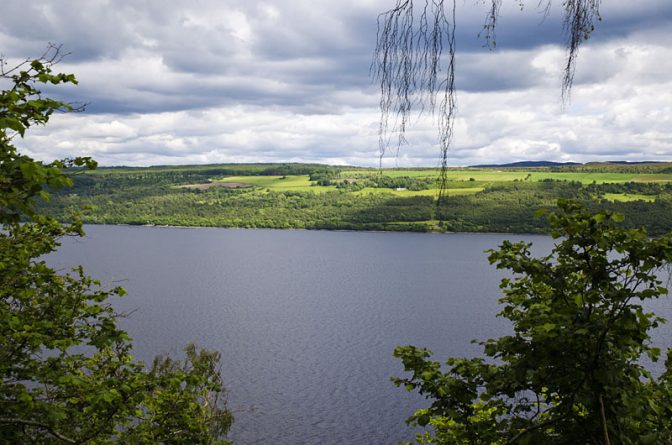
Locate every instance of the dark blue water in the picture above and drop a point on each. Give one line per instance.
(306, 321)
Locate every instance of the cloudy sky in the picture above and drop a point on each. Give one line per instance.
(201, 81)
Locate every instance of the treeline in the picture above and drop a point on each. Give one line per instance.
(592, 167)
(617, 167)
(362, 181)
(642, 188)
(114, 177)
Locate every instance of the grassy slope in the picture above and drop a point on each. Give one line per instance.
(481, 178)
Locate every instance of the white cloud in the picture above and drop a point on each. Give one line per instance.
(251, 81)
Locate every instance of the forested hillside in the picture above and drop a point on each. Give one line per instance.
(324, 197)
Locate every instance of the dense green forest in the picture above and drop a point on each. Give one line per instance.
(311, 196)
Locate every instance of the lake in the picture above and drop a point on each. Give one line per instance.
(306, 321)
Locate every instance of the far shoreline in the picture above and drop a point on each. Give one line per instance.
(435, 232)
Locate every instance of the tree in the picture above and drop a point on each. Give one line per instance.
(408, 61)
(571, 372)
(67, 372)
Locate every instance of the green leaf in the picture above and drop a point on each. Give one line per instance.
(12, 124)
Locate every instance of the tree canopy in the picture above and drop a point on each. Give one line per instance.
(67, 371)
(571, 372)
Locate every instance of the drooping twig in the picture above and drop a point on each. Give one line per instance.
(409, 67)
(414, 63)
(579, 23)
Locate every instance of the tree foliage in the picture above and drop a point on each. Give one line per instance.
(67, 373)
(571, 372)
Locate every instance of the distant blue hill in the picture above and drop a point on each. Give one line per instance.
(522, 164)
(634, 162)
(526, 164)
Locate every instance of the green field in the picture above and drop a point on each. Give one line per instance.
(429, 192)
(302, 183)
(494, 175)
(473, 181)
(291, 183)
(393, 172)
(628, 197)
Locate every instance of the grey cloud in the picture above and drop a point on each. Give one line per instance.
(503, 70)
(243, 80)
(89, 30)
